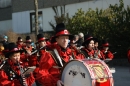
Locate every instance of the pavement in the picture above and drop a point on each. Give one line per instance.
(121, 76)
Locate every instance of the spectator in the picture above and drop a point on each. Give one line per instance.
(81, 40)
(5, 40)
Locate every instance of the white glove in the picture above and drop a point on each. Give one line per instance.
(60, 83)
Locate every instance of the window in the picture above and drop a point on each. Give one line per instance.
(5, 3)
(40, 22)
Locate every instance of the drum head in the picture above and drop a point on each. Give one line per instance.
(75, 73)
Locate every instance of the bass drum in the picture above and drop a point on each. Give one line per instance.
(88, 72)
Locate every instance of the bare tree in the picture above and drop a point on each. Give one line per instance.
(36, 16)
(59, 17)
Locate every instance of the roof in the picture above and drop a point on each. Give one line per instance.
(24, 5)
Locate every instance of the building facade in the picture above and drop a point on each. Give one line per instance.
(20, 16)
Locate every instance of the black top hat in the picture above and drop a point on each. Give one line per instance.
(105, 43)
(87, 39)
(12, 48)
(20, 39)
(72, 40)
(5, 49)
(61, 30)
(41, 38)
(52, 39)
(96, 40)
(28, 39)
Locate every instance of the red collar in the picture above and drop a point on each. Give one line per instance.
(61, 52)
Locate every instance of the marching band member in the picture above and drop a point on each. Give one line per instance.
(52, 61)
(27, 57)
(96, 44)
(128, 55)
(20, 43)
(41, 44)
(97, 52)
(52, 43)
(88, 50)
(28, 47)
(10, 73)
(41, 49)
(88, 44)
(106, 53)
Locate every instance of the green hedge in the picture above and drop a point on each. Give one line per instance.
(112, 24)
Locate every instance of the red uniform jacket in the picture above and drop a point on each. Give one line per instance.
(89, 53)
(41, 52)
(5, 80)
(107, 54)
(20, 47)
(77, 53)
(48, 74)
(31, 60)
(128, 55)
(98, 54)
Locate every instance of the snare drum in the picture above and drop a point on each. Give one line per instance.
(87, 72)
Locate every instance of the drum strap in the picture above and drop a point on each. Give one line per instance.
(84, 53)
(57, 58)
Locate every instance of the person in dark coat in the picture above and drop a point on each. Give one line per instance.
(81, 40)
(5, 40)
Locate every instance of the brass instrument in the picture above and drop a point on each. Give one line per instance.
(2, 57)
(22, 78)
(3, 63)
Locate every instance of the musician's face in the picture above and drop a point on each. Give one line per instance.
(63, 41)
(28, 44)
(21, 43)
(91, 45)
(96, 45)
(42, 43)
(15, 57)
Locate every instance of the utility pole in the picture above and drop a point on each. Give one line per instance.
(36, 17)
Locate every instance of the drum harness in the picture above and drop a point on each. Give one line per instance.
(60, 62)
(88, 57)
(85, 54)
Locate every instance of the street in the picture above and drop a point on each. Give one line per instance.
(121, 76)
